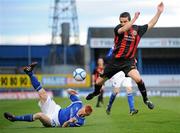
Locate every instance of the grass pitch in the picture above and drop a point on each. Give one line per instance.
(165, 118)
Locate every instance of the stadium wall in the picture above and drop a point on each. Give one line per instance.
(50, 81)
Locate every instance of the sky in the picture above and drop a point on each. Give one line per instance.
(29, 21)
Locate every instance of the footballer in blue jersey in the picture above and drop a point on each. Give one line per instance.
(52, 115)
(72, 112)
(119, 80)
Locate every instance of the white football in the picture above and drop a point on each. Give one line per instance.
(79, 74)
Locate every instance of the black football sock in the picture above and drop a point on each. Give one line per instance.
(97, 89)
(101, 97)
(142, 89)
(98, 102)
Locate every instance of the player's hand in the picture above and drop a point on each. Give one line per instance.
(136, 15)
(160, 7)
(71, 91)
(72, 120)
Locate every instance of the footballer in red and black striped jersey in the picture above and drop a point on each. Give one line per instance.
(126, 39)
(96, 73)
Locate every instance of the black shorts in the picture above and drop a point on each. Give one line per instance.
(116, 65)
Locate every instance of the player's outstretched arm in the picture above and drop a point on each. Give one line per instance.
(72, 92)
(154, 20)
(128, 25)
(73, 95)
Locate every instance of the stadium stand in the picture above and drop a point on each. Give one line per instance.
(158, 52)
(13, 57)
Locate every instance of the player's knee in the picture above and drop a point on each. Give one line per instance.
(38, 115)
(116, 93)
(138, 80)
(43, 96)
(116, 90)
(129, 90)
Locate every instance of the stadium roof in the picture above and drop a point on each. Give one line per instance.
(159, 32)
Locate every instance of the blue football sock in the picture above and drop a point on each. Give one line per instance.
(30, 73)
(34, 81)
(131, 101)
(111, 100)
(28, 118)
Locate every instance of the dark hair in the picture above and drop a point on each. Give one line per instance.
(124, 15)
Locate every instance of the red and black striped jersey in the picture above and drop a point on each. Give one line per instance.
(97, 72)
(125, 44)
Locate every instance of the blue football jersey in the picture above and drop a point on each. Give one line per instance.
(110, 52)
(71, 111)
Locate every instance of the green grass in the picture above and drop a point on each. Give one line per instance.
(165, 118)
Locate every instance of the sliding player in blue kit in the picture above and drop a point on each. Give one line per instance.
(52, 115)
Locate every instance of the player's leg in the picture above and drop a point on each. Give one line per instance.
(134, 74)
(101, 95)
(127, 83)
(130, 98)
(47, 105)
(117, 80)
(97, 87)
(44, 119)
(109, 71)
(29, 118)
(35, 83)
(11, 117)
(116, 90)
(100, 98)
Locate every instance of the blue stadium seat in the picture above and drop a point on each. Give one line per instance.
(161, 66)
